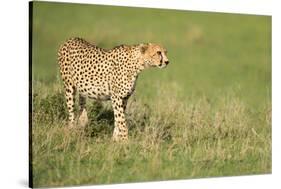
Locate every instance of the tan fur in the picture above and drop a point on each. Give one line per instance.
(103, 74)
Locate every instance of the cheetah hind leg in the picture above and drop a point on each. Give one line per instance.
(70, 94)
(83, 117)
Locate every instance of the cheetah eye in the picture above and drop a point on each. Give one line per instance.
(159, 52)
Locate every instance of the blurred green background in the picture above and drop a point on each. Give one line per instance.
(211, 54)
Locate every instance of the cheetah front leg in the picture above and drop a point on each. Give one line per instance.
(120, 132)
(83, 118)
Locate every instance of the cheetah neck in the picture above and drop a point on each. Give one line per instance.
(140, 61)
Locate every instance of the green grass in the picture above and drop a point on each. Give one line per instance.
(207, 114)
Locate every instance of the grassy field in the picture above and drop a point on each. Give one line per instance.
(207, 114)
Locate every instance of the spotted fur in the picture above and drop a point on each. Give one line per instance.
(103, 74)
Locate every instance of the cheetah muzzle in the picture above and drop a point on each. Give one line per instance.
(103, 74)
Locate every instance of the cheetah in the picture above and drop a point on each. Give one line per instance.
(105, 74)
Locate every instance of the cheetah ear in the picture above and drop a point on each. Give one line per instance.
(143, 48)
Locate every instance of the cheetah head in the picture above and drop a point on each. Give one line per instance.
(154, 55)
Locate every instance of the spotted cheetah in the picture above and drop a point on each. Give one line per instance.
(105, 74)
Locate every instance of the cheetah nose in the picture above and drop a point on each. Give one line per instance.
(167, 62)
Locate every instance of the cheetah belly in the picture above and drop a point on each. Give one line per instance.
(99, 92)
(93, 90)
